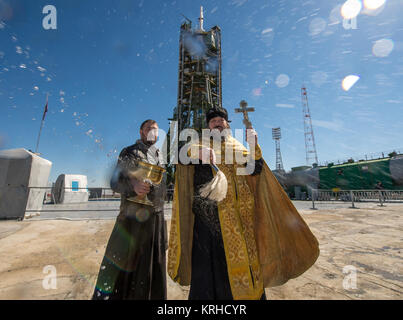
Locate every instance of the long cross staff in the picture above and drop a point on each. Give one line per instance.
(43, 119)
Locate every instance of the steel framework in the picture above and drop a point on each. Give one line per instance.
(276, 132)
(310, 148)
(199, 75)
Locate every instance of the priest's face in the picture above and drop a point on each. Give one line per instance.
(218, 123)
(149, 133)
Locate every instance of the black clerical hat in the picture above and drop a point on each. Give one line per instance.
(217, 112)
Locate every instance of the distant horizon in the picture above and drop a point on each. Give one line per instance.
(324, 164)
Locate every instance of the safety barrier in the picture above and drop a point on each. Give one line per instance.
(381, 196)
(42, 199)
(358, 195)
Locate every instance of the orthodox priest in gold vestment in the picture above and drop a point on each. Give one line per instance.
(253, 238)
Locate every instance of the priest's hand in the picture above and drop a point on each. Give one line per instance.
(141, 188)
(207, 155)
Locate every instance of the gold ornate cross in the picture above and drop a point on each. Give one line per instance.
(243, 109)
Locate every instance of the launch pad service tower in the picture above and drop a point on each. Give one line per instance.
(199, 74)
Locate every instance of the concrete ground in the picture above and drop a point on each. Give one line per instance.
(109, 209)
(361, 254)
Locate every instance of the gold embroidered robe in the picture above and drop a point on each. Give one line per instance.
(265, 239)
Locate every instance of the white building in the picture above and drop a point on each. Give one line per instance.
(23, 181)
(70, 188)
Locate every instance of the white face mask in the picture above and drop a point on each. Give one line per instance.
(152, 135)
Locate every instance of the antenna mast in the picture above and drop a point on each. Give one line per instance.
(310, 148)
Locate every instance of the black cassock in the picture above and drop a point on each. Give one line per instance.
(209, 279)
(134, 265)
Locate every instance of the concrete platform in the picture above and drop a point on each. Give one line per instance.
(364, 242)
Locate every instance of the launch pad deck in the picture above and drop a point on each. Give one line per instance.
(361, 255)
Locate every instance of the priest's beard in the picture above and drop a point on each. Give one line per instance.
(148, 143)
(221, 134)
(216, 189)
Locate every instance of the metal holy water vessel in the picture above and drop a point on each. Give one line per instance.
(145, 172)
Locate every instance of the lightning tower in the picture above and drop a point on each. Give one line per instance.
(276, 132)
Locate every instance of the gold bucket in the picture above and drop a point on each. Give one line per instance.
(145, 172)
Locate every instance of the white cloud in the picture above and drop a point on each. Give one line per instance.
(238, 3)
(331, 125)
(303, 18)
(267, 30)
(284, 105)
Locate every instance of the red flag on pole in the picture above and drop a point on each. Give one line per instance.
(46, 109)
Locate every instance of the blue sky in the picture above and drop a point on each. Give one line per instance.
(111, 64)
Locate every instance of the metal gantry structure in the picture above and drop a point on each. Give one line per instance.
(310, 148)
(199, 83)
(276, 133)
(199, 74)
